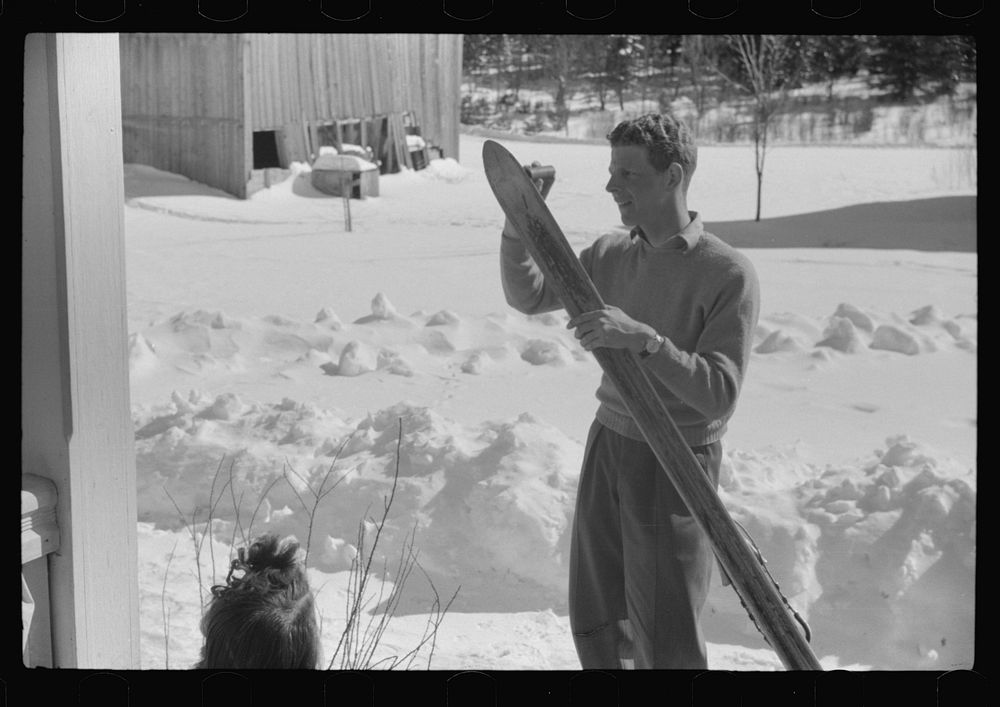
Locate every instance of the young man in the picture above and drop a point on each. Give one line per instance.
(687, 304)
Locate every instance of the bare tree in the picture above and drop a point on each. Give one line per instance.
(760, 65)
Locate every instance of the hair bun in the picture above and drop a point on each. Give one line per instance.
(269, 564)
(269, 553)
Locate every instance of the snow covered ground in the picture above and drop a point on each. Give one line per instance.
(270, 349)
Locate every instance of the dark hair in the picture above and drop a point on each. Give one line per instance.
(265, 618)
(665, 138)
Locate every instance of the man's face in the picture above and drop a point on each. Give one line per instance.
(640, 191)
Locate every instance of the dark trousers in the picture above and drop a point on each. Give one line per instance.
(640, 566)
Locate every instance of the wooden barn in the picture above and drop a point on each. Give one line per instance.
(223, 109)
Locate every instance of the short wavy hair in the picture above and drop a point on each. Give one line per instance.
(666, 139)
(264, 618)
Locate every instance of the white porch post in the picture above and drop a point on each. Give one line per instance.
(76, 423)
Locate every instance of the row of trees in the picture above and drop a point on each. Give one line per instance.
(617, 65)
(757, 69)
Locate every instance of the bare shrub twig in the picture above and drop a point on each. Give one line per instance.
(360, 638)
(165, 611)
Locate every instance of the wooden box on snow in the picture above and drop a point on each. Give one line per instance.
(330, 172)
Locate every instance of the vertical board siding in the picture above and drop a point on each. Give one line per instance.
(318, 77)
(182, 106)
(186, 110)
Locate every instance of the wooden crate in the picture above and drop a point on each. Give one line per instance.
(363, 183)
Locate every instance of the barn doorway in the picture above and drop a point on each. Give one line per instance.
(265, 149)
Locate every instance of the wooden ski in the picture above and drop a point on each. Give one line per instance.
(527, 211)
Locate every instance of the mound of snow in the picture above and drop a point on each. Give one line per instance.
(384, 311)
(852, 330)
(842, 335)
(357, 358)
(382, 307)
(393, 362)
(548, 318)
(336, 555)
(447, 170)
(794, 322)
(328, 318)
(542, 352)
(893, 338)
(436, 341)
(506, 487)
(893, 537)
(225, 407)
(476, 363)
(778, 341)
(858, 318)
(509, 507)
(141, 355)
(443, 318)
(926, 315)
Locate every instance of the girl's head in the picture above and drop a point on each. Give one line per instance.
(266, 616)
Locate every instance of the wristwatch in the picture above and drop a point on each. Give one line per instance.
(653, 344)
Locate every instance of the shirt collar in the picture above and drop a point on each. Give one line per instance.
(685, 239)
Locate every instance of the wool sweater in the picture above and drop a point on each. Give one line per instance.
(698, 292)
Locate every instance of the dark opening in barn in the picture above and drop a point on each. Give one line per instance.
(265, 149)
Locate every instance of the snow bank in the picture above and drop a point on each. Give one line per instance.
(891, 539)
(852, 330)
(493, 500)
(878, 556)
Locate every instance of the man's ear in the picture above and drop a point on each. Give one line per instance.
(675, 175)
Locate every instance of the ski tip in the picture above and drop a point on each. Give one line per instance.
(493, 149)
